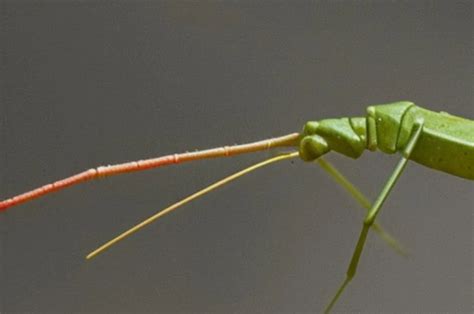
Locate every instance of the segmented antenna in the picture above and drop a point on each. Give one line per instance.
(104, 171)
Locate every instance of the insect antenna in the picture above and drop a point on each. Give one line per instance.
(104, 171)
(189, 199)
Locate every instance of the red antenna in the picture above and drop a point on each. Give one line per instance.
(104, 171)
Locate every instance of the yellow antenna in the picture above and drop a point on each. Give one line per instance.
(188, 199)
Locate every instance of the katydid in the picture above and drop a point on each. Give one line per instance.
(437, 140)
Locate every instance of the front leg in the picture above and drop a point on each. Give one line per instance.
(372, 214)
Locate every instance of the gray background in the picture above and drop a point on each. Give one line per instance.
(88, 83)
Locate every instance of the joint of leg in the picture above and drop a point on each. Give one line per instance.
(416, 132)
(369, 221)
(350, 273)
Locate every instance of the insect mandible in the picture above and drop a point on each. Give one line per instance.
(437, 140)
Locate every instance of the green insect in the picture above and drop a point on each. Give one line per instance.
(437, 140)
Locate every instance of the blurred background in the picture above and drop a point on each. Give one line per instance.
(86, 83)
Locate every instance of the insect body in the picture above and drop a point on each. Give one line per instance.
(436, 140)
(446, 142)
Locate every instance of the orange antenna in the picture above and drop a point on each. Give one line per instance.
(104, 171)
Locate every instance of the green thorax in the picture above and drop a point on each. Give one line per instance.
(446, 143)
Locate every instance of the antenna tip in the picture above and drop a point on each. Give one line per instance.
(91, 255)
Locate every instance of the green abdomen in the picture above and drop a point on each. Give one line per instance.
(446, 144)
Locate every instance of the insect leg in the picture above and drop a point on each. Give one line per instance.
(372, 214)
(363, 201)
